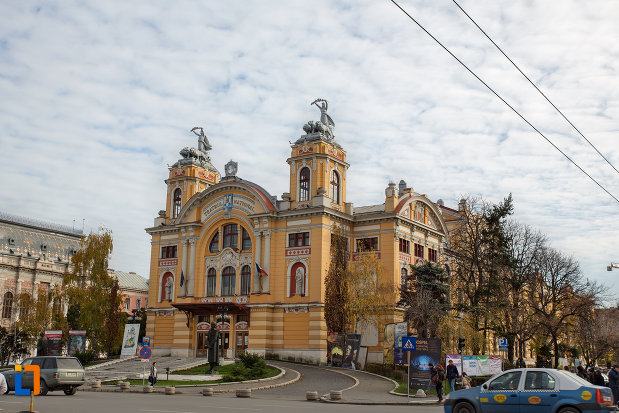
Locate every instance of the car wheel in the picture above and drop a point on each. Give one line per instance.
(70, 391)
(569, 409)
(43, 389)
(464, 407)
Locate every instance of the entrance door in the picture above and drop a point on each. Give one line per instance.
(224, 343)
(202, 348)
(242, 339)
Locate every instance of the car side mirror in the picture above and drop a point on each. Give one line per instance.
(485, 386)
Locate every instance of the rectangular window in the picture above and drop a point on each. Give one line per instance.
(418, 251)
(298, 239)
(231, 236)
(432, 255)
(228, 285)
(405, 246)
(127, 304)
(138, 304)
(168, 251)
(367, 244)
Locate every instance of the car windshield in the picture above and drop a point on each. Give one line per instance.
(68, 363)
(575, 378)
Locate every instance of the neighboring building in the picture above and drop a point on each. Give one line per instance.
(34, 256)
(213, 232)
(134, 288)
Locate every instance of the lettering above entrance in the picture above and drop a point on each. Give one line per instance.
(237, 300)
(228, 203)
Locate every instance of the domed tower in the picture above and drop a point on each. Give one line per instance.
(318, 165)
(189, 175)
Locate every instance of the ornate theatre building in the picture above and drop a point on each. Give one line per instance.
(214, 230)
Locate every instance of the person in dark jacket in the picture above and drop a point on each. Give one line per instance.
(452, 374)
(598, 379)
(581, 372)
(437, 376)
(613, 382)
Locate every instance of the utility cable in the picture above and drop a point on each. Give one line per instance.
(535, 86)
(503, 100)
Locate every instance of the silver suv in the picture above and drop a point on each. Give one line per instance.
(57, 373)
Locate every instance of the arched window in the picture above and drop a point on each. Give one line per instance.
(304, 184)
(167, 286)
(228, 281)
(211, 282)
(176, 203)
(246, 242)
(214, 244)
(245, 279)
(7, 305)
(231, 236)
(334, 187)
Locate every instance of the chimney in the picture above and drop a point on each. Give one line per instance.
(391, 197)
(401, 187)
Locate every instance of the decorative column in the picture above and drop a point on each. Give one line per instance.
(258, 253)
(192, 266)
(35, 290)
(267, 260)
(16, 300)
(183, 289)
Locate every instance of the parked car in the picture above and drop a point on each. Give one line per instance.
(531, 390)
(57, 373)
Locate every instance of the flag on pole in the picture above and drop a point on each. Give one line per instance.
(261, 271)
(182, 278)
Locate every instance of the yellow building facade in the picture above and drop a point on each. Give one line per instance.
(214, 230)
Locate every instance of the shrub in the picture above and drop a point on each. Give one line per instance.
(251, 367)
(86, 356)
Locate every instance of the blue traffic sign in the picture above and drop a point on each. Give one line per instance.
(145, 352)
(145, 341)
(409, 343)
(503, 344)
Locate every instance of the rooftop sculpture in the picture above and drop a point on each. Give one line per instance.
(324, 126)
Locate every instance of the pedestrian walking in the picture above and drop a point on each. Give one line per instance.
(3, 386)
(613, 382)
(598, 379)
(591, 375)
(452, 374)
(152, 378)
(581, 372)
(437, 376)
(466, 381)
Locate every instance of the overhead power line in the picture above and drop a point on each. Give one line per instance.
(503, 100)
(535, 86)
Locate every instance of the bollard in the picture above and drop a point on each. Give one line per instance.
(148, 389)
(335, 395)
(420, 393)
(208, 391)
(124, 385)
(243, 393)
(170, 390)
(311, 395)
(96, 384)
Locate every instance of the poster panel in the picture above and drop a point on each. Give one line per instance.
(399, 356)
(54, 342)
(469, 365)
(351, 351)
(130, 340)
(483, 365)
(388, 342)
(495, 364)
(336, 348)
(369, 332)
(428, 352)
(331, 339)
(457, 359)
(77, 341)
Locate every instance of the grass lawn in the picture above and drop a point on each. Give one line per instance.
(200, 370)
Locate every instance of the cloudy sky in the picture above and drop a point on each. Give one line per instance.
(98, 97)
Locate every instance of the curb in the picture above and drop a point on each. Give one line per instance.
(109, 363)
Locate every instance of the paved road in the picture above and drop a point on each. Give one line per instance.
(157, 403)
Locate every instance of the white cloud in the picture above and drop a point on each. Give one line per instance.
(98, 97)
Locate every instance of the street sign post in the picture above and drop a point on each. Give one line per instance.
(503, 346)
(409, 344)
(144, 355)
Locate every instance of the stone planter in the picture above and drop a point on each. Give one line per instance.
(209, 391)
(148, 389)
(243, 393)
(95, 384)
(170, 390)
(124, 385)
(311, 395)
(335, 395)
(420, 393)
